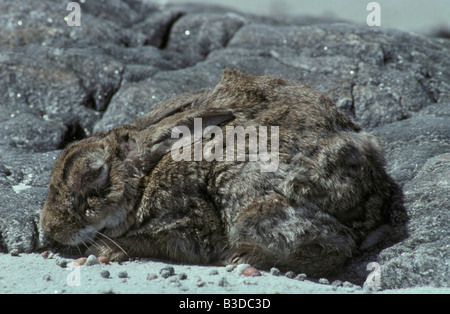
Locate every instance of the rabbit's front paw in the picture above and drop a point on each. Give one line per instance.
(251, 254)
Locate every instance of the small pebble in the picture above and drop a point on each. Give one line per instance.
(370, 290)
(47, 278)
(123, 274)
(92, 260)
(62, 262)
(337, 283)
(213, 272)
(105, 274)
(251, 272)
(229, 268)
(47, 254)
(274, 271)
(223, 282)
(182, 276)
(241, 267)
(324, 281)
(103, 260)
(300, 277)
(166, 272)
(348, 284)
(250, 282)
(152, 276)
(290, 274)
(175, 282)
(80, 261)
(200, 282)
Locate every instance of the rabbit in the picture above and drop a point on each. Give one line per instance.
(122, 191)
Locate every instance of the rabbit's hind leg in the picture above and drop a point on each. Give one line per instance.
(273, 232)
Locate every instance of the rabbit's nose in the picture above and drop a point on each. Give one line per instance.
(44, 221)
(50, 224)
(59, 227)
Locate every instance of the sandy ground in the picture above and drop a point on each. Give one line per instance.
(31, 273)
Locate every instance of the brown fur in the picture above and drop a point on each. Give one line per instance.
(329, 192)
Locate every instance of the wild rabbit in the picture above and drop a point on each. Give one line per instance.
(123, 191)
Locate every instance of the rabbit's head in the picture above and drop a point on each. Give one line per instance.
(97, 182)
(84, 193)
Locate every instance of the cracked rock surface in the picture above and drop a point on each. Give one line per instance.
(59, 84)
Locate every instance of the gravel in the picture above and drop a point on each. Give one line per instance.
(41, 275)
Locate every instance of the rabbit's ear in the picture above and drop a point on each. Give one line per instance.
(171, 107)
(128, 150)
(163, 142)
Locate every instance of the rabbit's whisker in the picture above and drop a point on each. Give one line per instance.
(78, 248)
(96, 244)
(92, 243)
(105, 243)
(114, 242)
(84, 243)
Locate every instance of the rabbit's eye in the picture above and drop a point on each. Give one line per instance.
(96, 177)
(92, 174)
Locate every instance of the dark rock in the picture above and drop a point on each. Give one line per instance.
(195, 36)
(423, 258)
(23, 195)
(30, 132)
(410, 143)
(377, 76)
(62, 83)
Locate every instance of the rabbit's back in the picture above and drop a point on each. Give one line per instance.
(330, 188)
(323, 156)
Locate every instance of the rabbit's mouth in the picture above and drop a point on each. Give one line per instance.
(85, 235)
(89, 232)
